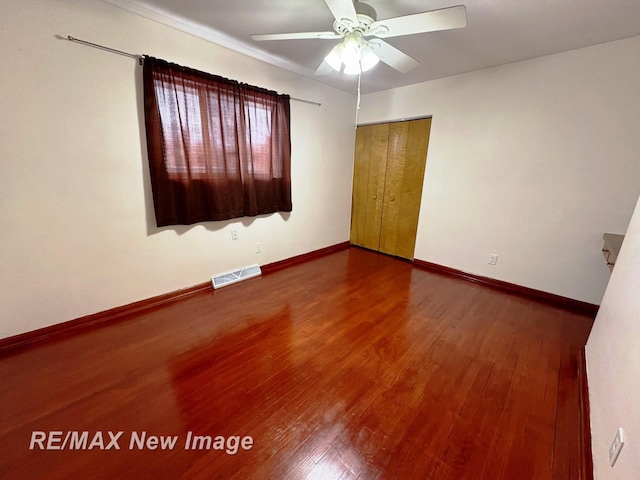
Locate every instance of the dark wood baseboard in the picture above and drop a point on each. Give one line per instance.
(539, 295)
(59, 330)
(72, 327)
(305, 257)
(586, 465)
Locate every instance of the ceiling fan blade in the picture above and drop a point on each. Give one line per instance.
(324, 69)
(295, 36)
(393, 57)
(443, 19)
(343, 9)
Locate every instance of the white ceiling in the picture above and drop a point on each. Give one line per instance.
(497, 32)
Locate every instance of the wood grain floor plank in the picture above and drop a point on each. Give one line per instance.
(352, 366)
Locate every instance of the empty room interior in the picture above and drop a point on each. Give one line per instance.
(320, 239)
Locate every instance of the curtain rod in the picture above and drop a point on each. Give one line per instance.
(140, 59)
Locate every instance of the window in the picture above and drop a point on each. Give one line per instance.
(217, 149)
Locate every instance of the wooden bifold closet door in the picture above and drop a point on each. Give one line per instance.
(388, 175)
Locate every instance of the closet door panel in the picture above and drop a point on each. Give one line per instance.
(392, 208)
(368, 184)
(406, 160)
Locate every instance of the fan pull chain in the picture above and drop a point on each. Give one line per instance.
(358, 102)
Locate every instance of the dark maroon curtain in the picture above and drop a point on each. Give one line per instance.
(218, 149)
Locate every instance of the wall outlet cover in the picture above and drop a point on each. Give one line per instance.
(616, 447)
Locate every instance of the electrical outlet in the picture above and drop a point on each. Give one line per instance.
(616, 446)
(258, 247)
(234, 234)
(493, 259)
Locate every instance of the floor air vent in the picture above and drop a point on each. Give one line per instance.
(227, 278)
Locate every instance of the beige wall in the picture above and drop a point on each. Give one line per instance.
(533, 161)
(613, 364)
(78, 233)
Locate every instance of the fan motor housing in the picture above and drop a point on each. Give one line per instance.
(367, 11)
(366, 17)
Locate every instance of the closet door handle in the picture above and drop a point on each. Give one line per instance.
(375, 197)
(392, 198)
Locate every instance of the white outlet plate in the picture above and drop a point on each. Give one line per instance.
(234, 234)
(616, 446)
(258, 247)
(493, 259)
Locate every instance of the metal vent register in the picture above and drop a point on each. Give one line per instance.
(234, 276)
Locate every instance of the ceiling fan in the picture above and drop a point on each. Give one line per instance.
(356, 21)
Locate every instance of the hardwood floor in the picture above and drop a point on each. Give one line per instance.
(352, 366)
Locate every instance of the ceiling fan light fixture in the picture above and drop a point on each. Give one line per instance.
(355, 53)
(352, 68)
(368, 59)
(351, 51)
(334, 57)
